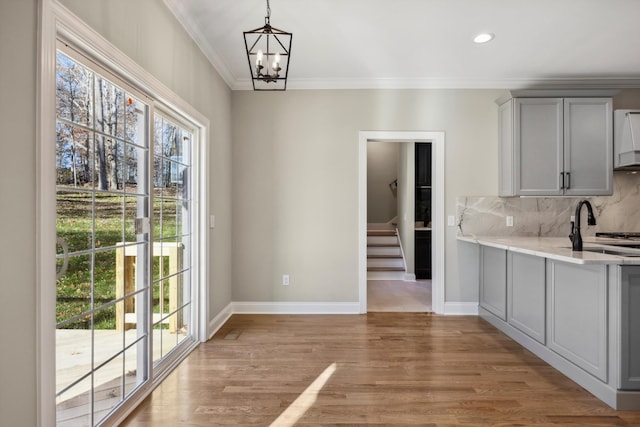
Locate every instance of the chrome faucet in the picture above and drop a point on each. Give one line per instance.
(576, 238)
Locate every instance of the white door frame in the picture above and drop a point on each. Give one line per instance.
(438, 230)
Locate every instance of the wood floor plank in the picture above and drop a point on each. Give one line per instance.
(380, 368)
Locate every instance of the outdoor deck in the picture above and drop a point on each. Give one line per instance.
(73, 359)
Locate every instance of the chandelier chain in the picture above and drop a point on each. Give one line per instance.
(268, 11)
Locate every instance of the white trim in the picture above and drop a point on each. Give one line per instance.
(45, 220)
(177, 8)
(461, 308)
(217, 322)
(287, 307)
(437, 139)
(408, 277)
(444, 83)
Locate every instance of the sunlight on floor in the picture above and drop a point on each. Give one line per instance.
(298, 407)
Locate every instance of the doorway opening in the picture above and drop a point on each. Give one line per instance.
(406, 139)
(398, 247)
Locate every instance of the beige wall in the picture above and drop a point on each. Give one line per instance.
(147, 32)
(295, 157)
(17, 224)
(382, 169)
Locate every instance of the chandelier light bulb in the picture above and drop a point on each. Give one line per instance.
(259, 60)
(276, 62)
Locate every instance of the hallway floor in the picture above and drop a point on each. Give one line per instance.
(399, 296)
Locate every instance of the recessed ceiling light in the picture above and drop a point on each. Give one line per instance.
(483, 38)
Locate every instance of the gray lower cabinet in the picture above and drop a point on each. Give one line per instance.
(526, 282)
(577, 306)
(630, 328)
(493, 280)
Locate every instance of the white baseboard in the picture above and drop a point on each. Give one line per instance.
(408, 277)
(450, 308)
(461, 308)
(217, 322)
(295, 307)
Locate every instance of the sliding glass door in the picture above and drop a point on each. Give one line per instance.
(172, 208)
(124, 240)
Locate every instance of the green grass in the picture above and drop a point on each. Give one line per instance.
(74, 224)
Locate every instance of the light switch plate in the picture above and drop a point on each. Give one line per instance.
(451, 221)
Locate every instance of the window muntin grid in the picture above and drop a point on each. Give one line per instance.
(102, 164)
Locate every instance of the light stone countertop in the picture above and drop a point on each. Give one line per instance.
(559, 248)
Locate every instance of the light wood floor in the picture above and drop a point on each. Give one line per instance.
(379, 368)
(399, 296)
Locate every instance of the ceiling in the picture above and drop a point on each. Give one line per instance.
(339, 44)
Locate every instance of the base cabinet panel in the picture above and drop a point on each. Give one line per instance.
(493, 280)
(630, 328)
(577, 305)
(527, 295)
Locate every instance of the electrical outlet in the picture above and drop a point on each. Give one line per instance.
(285, 280)
(509, 221)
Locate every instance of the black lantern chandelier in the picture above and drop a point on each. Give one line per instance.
(268, 52)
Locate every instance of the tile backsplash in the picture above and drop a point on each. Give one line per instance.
(550, 216)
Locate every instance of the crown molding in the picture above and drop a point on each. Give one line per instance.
(177, 9)
(511, 84)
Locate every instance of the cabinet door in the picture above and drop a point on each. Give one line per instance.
(423, 254)
(423, 164)
(493, 280)
(506, 160)
(588, 146)
(526, 289)
(538, 146)
(578, 315)
(630, 328)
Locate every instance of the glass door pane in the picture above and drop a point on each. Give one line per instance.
(172, 229)
(103, 252)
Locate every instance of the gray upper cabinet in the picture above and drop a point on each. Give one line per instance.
(556, 146)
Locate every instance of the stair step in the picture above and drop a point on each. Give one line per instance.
(384, 250)
(385, 268)
(384, 256)
(383, 245)
(389, 240)
(381, 232)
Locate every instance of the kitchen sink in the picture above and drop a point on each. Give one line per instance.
(611, 252)
(625, 246)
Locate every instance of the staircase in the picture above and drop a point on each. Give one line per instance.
(384, 256)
